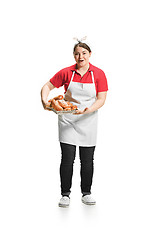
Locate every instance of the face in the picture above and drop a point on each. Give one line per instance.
(82, 56)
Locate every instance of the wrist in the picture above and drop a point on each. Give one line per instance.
(88, 110)
(44, 101)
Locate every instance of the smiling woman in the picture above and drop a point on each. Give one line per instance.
(86, 85)
(82, 54)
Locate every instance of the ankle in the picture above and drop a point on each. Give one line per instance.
(86, 194)
(66, 196)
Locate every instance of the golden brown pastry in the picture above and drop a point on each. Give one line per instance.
(55, 105)
(67, 109)
(60, 97)
(59, 104)
(69, 104)
(63, 103)
(74, 107)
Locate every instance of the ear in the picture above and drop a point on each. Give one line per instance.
(90, 54)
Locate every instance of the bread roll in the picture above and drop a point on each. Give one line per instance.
(67, 109)
(74, 107)
(69, 104)
(55, 105)
(63, 103)
(60, 97)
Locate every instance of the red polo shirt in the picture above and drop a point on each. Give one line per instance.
(63, 77)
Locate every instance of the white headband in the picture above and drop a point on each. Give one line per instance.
(80, 40)
(83, 40)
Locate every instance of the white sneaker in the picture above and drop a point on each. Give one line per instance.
(88, 200)
(64, 202)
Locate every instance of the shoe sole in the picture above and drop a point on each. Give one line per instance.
(64, 206)
(89, 203)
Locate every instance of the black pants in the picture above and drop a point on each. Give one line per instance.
(86, 155)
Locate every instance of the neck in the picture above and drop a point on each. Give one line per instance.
(84, 68)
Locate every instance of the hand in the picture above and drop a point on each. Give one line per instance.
(84, 111)
(45, 105)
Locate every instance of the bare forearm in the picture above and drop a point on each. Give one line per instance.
(44, 93)
(96, 105)
(99, 102)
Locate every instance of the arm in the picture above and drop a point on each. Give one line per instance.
(101, 97)
(45, 92)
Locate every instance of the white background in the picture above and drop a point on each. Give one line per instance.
(36, 42)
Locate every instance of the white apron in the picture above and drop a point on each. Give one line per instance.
(79, 129)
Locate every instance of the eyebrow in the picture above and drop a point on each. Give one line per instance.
(82, 51)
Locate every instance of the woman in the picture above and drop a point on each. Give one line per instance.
(85, 85)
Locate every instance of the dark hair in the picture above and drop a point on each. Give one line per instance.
(80, 44)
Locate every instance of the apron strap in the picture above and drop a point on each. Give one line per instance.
(92, 77)
(72, 76)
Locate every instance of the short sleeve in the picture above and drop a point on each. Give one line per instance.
(58, 79)
(102, 84)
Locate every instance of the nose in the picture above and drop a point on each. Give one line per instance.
(80, 55)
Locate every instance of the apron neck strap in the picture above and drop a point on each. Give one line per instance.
(92, 77)
(72, 76)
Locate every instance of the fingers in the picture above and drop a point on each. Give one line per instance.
(46, 108)
(85, 109)
(78, 112)
(81, 111)
(45, 105)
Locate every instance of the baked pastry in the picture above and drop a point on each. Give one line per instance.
(63, 103)
(74, 107)
(59, 104)
(60, 97)
(55, 105)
